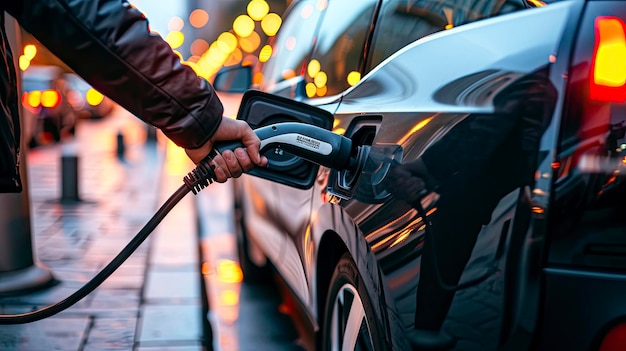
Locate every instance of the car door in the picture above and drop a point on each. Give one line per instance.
(436, 90)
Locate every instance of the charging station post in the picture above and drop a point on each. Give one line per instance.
(19, 271)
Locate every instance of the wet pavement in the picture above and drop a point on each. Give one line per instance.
(153, 301)
(159, 299)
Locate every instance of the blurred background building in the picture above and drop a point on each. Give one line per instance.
(208, 34)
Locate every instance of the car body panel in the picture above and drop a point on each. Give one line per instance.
(419, 96)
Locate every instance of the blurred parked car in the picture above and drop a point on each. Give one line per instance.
(47, 113)
(86, 101)
(520, 243)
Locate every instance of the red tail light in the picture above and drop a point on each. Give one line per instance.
(615, 339)
(608, 69)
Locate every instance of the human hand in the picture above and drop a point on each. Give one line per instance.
(231, 164)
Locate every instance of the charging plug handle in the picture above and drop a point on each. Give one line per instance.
(312, 143)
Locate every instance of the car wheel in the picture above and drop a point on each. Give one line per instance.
(349, 320)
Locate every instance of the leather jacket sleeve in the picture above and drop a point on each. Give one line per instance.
(109, 44)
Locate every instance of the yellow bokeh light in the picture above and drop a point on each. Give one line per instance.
(322, 5)
(176, 161)
(49, 98)
(243, 25)
(354, 77)
(175, 24)
(229, 39)
(198, 18)
(311, 90)
(265, 53)
(250, 43)
(229, 271)
(175, 39)
(198, 47)
(271, 24)
(320, 79)
(257, 9)
(34, 98)
(313, 68)
(24, 62)
(93, 97)
(229, 298)
(30, 51)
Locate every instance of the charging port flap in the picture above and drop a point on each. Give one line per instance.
(261, 109)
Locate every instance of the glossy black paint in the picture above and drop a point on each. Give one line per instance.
(483, 104)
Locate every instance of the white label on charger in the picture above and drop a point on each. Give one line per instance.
(301, 141)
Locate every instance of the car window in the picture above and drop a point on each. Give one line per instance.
(401, 22)
(292, 45)
(339, 51)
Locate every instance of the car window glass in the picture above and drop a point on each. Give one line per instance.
(401, 22)
(338, 54)
(292, 44)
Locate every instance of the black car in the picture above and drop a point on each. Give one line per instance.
(491, 214)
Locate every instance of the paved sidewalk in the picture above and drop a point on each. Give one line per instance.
(155, 300)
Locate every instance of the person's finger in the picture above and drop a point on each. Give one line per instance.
(231, 163)
(244, 159)
(221, 169)
(252, 144)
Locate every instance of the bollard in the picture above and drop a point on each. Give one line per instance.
(69, 173)
(121, 148)
(151, 134)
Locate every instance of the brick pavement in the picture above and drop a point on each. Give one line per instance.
(155, 300)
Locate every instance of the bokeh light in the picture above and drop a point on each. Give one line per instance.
(250, 43)
(198, 18)
(243, 25)
(310, 89)
(198, 47)
(290, 43)
(257, 9)
(313, 68)
(265, 53)
(175, 24)
(229, 39)
(354, 77)
(30, 51)
(175, 39)
(307, 11)
(322, 5)
(320, 79)
(50, 98)
(24, 62)
(93, 97)
(271, 24)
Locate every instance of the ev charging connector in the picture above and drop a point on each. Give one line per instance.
(309, 142)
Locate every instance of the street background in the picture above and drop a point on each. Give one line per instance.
(181, 290)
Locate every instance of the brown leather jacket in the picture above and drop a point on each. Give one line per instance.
(109, 44)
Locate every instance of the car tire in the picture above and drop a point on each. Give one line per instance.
(349, 319)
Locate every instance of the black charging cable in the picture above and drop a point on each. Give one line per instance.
(199, 178)
(417, 204)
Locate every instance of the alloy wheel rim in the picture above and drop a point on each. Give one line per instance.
(349, 329)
